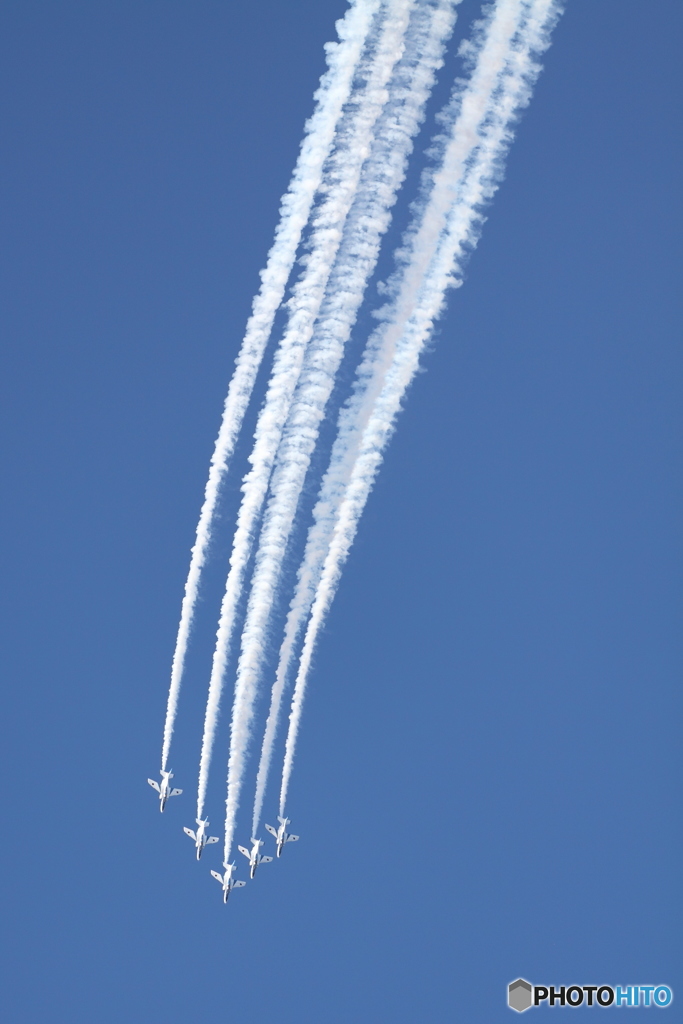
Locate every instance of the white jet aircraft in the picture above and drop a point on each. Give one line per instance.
(164, 790)
(254, 857)
(281, 834)
(227, 881)
(200, 837)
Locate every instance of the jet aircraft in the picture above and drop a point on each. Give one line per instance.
(281, 834)
(227, 881)
(164, 790)
(200, 837)
(254, 857)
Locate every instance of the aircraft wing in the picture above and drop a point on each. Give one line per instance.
(238, 885)
(190, 833)
(292, 839)
(269, 828)
(176, 792)
(265, 860)
(212, 839)
(154, 785)
(219, 878)
(243, 850)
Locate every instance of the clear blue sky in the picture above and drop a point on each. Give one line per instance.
(488, 782)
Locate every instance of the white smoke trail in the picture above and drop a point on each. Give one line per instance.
(332, 94)
(431, 25)
(483, 115)
(341, 174)
(305, 306)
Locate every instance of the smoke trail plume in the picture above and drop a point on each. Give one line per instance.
(334, 90)
(382, 176)
(478, 130)
(304, 308)
(341, 175)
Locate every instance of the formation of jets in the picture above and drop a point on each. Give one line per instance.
(201, 838)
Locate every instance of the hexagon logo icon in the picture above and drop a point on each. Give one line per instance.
(519, 995)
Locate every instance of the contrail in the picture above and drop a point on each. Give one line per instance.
(382, 176)
(340, 180)
(329, 223)
(481, 116)
(334, 90)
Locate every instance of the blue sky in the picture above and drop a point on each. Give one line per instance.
(488, 776)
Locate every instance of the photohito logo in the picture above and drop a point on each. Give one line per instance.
(522, 995)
